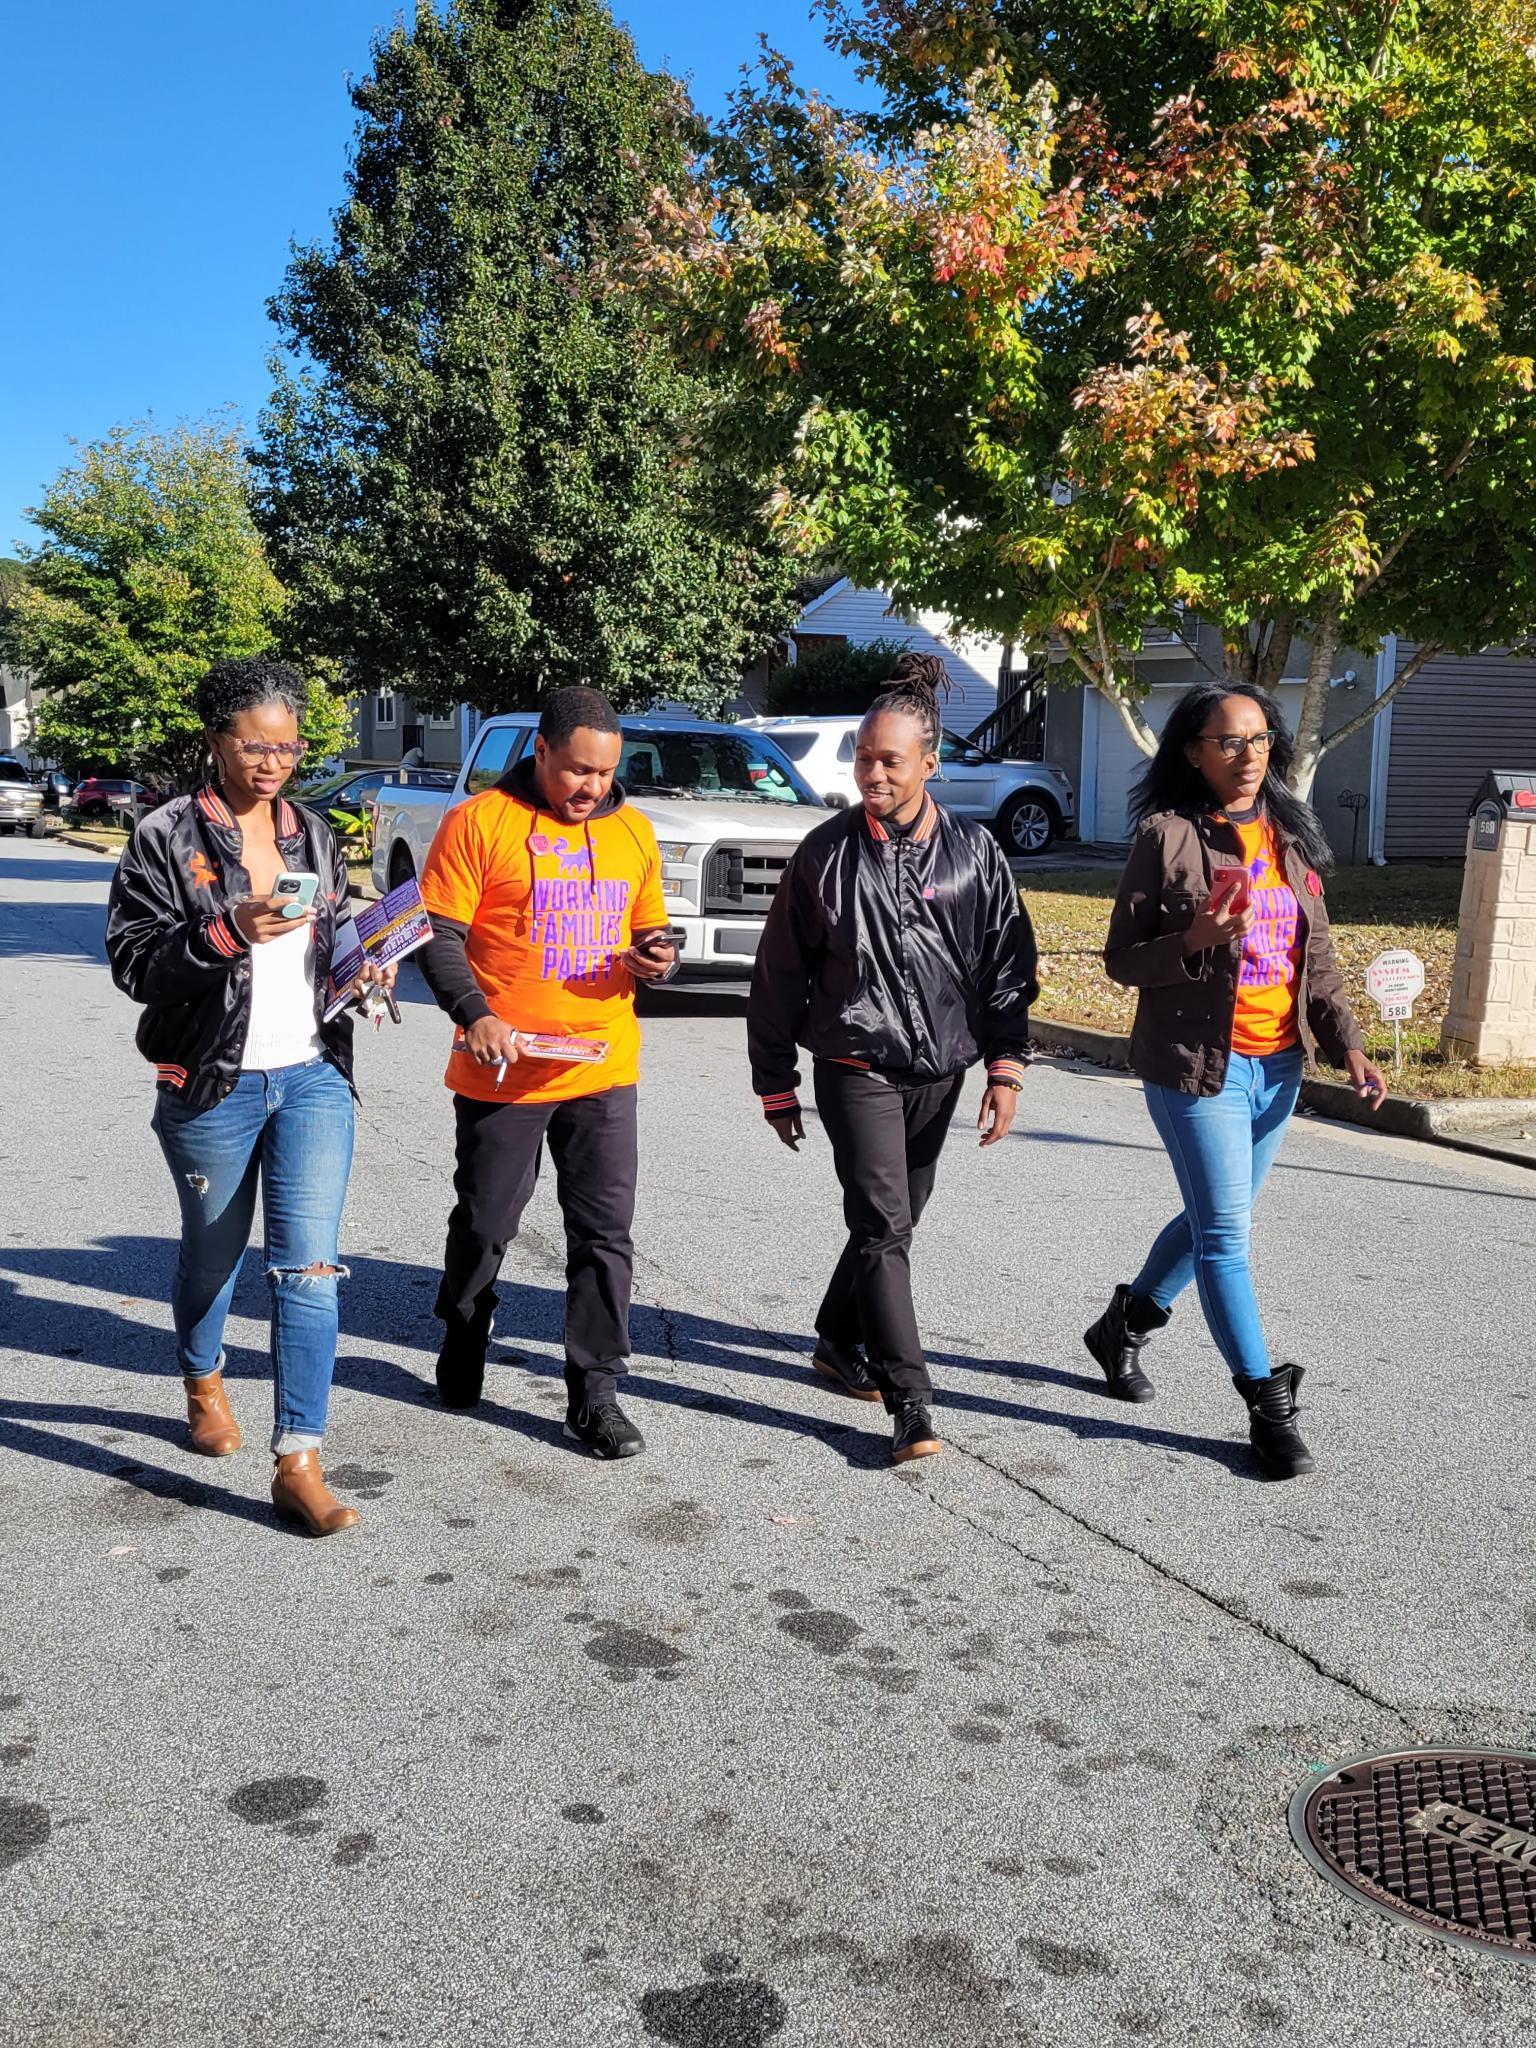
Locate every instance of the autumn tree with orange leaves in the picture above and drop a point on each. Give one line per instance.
(1118, 312)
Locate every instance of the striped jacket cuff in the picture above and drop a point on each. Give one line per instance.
(1009, 1071)
(224, 937)
(786, 1103)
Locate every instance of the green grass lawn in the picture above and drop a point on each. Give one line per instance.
(1371, 909)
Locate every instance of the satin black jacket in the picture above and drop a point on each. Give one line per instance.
(173, 947)
(907, 953)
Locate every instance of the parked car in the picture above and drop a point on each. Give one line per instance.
(98, 796)
(21, 801)
(1027, 803)
(727, 805)
(349, 803)
(57, 788)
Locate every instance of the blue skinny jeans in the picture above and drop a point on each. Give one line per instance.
(291, 1130)
(1221, 1147)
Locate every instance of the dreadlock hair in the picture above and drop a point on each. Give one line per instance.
(913, 691)
(1169, 782)
(231, 687)
(569, 710)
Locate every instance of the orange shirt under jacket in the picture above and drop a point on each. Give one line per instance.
(550, 907)
(1264, 1020)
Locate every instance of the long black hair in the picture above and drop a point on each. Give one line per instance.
(1170, 783)
(912, 690)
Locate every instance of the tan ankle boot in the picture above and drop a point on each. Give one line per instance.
(300, 1493)
(214, 1429)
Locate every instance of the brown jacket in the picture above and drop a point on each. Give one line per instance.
(1182, 1037)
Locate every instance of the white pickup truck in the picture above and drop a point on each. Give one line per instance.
(728, 807)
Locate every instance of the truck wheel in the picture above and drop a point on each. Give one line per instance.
(1028, 825)
(36, 829)
(401, 867)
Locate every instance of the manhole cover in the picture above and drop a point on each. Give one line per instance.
(1444, 1838)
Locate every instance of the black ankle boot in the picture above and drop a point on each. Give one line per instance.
(461, 1362)
(1117, 1346)
(1277, 1446)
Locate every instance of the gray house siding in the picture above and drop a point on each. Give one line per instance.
(1452, 723)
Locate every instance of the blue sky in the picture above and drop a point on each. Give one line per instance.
(155, 162)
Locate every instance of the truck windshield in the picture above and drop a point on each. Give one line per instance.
(708, 765)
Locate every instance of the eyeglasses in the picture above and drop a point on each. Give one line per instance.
(289, 752)
(1235, 744)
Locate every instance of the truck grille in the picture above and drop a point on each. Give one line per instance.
(744, 877)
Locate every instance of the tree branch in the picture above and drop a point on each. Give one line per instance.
(1129, 714)
(1430, 651)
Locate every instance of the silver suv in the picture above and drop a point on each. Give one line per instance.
(1027, 803)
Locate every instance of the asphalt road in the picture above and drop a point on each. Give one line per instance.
(753, 1742)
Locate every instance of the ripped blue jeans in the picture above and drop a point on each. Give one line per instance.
(291, 1130)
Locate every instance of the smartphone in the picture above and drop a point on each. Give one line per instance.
(295, 890)
(1229, 886)
(669, 935)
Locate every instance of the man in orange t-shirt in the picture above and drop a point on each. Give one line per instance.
(546, 904)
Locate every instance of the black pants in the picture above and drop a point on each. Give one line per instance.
(593, 1144)
(886, 1143)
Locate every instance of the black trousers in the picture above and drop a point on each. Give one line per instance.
(886, 1143)
(593, 1144)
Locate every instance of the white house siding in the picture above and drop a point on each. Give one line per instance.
(860, 616)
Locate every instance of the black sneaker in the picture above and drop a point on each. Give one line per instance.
(844, 1366)
(606, 1431)
(914, 1436)
(1117, 1348)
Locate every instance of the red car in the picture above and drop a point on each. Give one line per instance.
(99, 795)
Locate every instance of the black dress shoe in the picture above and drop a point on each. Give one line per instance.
(844, 1366)
(606, 1431)
(914, 1436)
(1117, 1347)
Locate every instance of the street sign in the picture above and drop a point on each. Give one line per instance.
(1395, 977)
(1392, 981)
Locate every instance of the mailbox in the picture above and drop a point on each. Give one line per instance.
(1504, 793)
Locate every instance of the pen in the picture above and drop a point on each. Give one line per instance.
(501, 1071)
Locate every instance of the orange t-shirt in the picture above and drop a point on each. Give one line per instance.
(1265, 1017)
(549, 907)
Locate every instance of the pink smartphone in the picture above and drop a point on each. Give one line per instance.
(1229, 886)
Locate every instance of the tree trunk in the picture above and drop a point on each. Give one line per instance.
(1130, 716)
(1314, 705)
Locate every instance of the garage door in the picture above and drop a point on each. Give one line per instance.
(1119, 760)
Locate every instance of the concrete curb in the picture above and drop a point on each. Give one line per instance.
(1456, 1123)
(77, 839)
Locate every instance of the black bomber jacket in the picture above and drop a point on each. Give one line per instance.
(907, 953)
(173, 947)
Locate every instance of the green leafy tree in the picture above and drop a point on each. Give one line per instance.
(1127, 311)
(13, 574)
(485, 473)
(150, 571)
(832, 681)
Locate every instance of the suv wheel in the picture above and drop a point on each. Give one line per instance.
(1027, 825)
(401, 867)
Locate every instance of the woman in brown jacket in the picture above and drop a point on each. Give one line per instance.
(1219, 924)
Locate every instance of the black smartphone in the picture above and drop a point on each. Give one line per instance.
(651, 945)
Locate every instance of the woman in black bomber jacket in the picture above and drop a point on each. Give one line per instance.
(1220, 925)
(253, 1084)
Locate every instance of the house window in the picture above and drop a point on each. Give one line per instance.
(816, 643)
(443, 721)
(384, 709)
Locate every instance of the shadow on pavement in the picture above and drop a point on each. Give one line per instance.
(108, 1462)
(53, 930)
(529, 1314)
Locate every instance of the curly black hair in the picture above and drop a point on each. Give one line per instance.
(913, 691)
(572, 709)
(231, 687)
